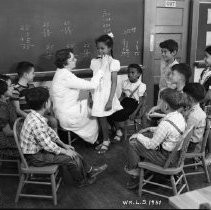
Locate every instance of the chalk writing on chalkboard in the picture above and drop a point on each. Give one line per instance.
(68, 28)
(125, 49)
(86, 50)
(42, 27)
(137, 49)
(129, 31)
(106, 17)
(49, 50)
(46, 29)
(26, 42)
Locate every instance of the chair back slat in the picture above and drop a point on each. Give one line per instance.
(206, 134)
(17, 130)
(185, 140)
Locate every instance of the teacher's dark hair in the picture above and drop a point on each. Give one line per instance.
(61, 57)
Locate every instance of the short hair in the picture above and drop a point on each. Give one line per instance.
(107, 40)
(3, 87)
(37, 97)
(208, 49)
(61, 57)
(172, 97)
(195, 90)
(136, 66)
(23, 67)
(183, 69)
(169, 44)
(4, 77)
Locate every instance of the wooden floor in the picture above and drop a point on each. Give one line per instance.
(108, 192)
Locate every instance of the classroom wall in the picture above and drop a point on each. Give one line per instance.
(167, 22)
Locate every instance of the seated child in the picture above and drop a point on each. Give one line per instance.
(205, 80)
(195, 115)
(131, 99)
(165, 137)
(179, 77)
(8, 80)
(26, 76)
(8, 116)
(41, 145)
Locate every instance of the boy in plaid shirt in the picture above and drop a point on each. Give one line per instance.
(41, 145)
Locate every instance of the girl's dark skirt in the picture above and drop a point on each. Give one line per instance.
(129, 106)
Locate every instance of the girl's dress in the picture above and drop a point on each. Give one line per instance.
(102, 93)
(74, 114)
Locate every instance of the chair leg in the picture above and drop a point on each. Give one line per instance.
(19, 168)
(185, 180)
(20, 187)
(69, 137)
(135, 126)
(205, 170)
(173, 185)
(53, 184)
(125, 132)
(141, 182)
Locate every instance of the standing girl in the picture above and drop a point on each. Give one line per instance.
(105, 101)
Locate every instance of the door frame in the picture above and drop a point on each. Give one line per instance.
(149, 34)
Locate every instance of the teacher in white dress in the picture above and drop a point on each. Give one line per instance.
(73, 114)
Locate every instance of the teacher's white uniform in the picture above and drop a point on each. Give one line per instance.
(73, 114)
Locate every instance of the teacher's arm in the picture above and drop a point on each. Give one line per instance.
(82, 84)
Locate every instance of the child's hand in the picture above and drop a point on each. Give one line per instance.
(68, 147)
(134, 136)
(108, 105)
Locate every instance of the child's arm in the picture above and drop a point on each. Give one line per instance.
(122, 96)
(151, 129)
(113, 90)
(18, 110)
(56, 139)
(133, 115)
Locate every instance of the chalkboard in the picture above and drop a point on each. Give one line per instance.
(203, 27)
(32, 30)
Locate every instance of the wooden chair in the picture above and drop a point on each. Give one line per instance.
(69, 137)
(167, 170)
(200, 154)
(26, 172)
(137, 122)
(4, 158)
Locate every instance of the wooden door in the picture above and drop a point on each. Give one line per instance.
(165, 20)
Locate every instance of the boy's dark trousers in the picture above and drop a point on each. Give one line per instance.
(138, 152)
